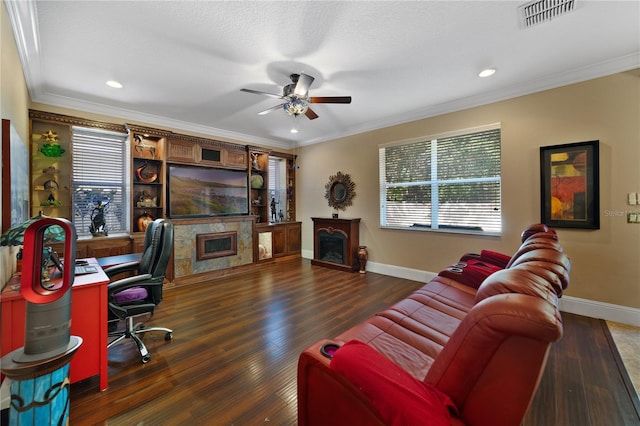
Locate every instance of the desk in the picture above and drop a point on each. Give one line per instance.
(106, 262)
(88, 320)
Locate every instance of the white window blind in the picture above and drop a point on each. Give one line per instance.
(99, 172)
(447, 183)
(277, 177)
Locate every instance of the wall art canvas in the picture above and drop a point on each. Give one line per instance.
(569, 185)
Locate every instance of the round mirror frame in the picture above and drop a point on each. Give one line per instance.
(349, 191)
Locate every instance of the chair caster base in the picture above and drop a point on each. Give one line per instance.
(146, 358)
(168, 336)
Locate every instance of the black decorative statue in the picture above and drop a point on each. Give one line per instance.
(98, 224)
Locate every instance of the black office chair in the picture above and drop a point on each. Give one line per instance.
(139, 294)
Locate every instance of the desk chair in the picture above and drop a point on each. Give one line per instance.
(139, 294)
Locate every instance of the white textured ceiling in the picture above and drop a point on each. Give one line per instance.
(183, 63)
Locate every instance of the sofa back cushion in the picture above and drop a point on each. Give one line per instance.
(518, 281)
(492, 364)
(548, 258)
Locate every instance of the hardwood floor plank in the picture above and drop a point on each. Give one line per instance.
(233, 360)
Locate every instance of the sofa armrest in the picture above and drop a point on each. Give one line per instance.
(326, 397)
(373, 388)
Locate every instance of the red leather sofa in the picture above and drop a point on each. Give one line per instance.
(447, 354)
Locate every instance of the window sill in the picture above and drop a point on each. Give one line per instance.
(444, 231)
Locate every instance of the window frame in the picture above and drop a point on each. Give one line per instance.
(437, 181)
(277, 184)
(123, 218)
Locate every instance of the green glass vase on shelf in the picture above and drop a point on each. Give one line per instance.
(51, 150)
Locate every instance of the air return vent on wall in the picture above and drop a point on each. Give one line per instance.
(538, 11)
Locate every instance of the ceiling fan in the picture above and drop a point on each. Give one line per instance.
(297, 99)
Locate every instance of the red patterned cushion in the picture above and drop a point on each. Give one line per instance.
(400, 398)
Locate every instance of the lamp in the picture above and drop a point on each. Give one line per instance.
(15, 236)
(295, 107)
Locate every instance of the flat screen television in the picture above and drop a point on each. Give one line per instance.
(204, 191)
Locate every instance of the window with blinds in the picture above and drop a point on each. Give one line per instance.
(277, 177)
(99, 176)
(451, 182)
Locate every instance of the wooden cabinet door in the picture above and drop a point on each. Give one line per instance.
(279, 240)
(294, 238)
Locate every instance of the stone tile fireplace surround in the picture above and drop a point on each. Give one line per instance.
(186, 231)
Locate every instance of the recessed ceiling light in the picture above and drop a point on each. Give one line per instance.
(114, 84)
(487, 72)
(294, 130)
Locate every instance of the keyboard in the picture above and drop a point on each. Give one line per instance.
(82, 270)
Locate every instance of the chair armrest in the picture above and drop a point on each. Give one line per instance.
(122, 268)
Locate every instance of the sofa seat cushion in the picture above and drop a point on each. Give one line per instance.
(412, 332)
(399, 398)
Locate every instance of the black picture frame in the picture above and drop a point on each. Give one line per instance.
(570, 185)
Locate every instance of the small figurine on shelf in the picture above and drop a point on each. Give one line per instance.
(281, 215)
(273, 208)
(51, 201)
(98, 223)
(254, 161)
(141, 146)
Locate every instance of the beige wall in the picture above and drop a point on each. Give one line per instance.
(606, 262)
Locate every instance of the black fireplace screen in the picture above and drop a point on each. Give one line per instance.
(332, 247)
(219, 244)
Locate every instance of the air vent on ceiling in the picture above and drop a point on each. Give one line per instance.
(538, 11)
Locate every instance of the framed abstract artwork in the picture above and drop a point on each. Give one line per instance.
(569, 185)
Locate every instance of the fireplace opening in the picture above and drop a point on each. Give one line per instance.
(332, 247)
(219, 244)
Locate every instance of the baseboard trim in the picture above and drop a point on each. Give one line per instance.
(569, 304)
(400, 272)
(602, 310)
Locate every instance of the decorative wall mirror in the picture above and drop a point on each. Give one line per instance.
(340, 191)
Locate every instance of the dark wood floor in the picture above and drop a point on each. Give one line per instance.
(237, 340)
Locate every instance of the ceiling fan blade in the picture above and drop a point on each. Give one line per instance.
(310, 114)
(330, 100)
(257, 92)
(302, 86)
(273, 108)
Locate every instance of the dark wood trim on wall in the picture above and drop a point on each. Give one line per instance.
(75, 121)
(6, 175)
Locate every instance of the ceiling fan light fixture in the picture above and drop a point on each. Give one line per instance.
(295, 107)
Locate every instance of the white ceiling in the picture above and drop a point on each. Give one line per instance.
(183, 63)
